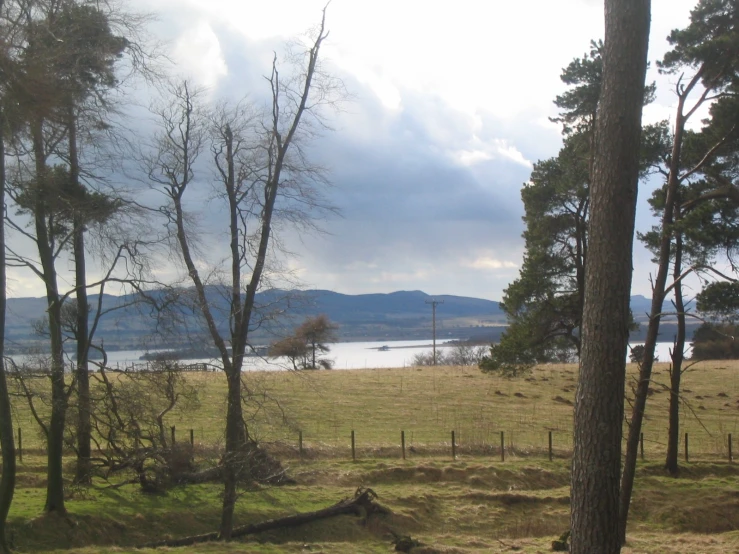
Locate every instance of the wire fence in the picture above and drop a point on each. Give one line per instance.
(694, 447)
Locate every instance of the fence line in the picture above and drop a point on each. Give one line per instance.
(548, 449)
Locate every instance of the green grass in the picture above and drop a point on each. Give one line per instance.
(474, 504)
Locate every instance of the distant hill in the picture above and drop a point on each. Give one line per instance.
(397, 315)
(401, 315)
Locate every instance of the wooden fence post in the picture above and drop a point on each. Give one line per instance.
(20, 445)
(192, 437)
(454, 447)
(173, 433)
(550, 446)
(731, 458)
(502, 446)
(354, 454)
(402, 443)
(686, 447)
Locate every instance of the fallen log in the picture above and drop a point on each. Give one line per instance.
(362, 504)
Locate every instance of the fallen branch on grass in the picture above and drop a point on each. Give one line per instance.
(362, 504)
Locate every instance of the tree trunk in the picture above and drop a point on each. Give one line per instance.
(673, 435)
(599, 405)
(235, 440)
(655, 315)
(55, 438)
(363, 504)
(7, 482)
(82, 471)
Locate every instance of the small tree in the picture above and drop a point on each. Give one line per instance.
(636, 356)
(305, 344)
(293, 348)
(317, 332)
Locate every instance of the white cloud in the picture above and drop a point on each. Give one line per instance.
(511, 152)
(490, 263)
(471, 157)
(198, 54)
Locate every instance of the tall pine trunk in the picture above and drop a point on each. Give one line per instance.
(44, 240)
(7, 482)
(82, 471)
(599, 404)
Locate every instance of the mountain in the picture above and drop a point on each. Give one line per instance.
(398, 315)
(401, 315)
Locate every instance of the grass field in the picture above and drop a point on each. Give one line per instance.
(475, 503)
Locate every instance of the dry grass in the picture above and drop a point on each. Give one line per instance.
(474, 504)
(428, 403)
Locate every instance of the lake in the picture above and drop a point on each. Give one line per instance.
(347, 355)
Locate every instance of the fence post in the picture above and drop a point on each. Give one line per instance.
(550, 446)
(402, 443)
(454, 447)
(502, 446)
(354, 454)
(731, 458)
(300, 443)
(641, 445)
(686, 447)
(20, 445)
(192, 437)
(173, 433)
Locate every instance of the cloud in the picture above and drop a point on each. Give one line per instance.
(450, 112)
(491, 263)
(198, 53)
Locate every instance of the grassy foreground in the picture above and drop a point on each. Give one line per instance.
(473, 504)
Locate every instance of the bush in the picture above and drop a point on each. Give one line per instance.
(716, 342)
(460, 353)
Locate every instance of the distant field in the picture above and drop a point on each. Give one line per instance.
(474, 504)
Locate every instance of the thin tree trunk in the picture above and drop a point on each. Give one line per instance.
(55, 438)
(82, 472)
(7, 482)
(673, 434)
(655, 315)
(235, 440)
(599, 404)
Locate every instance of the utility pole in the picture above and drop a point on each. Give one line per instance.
(434, 303)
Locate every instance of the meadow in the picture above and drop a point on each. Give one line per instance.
(474, 503)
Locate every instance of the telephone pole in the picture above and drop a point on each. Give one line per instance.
(434, 303)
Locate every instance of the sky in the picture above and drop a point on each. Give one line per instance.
(449, 109)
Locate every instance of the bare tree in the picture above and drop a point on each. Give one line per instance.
(261, 174)
(599, 402)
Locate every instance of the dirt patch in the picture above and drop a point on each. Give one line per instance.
(562, 400)
(512, 499)
(527, 478)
